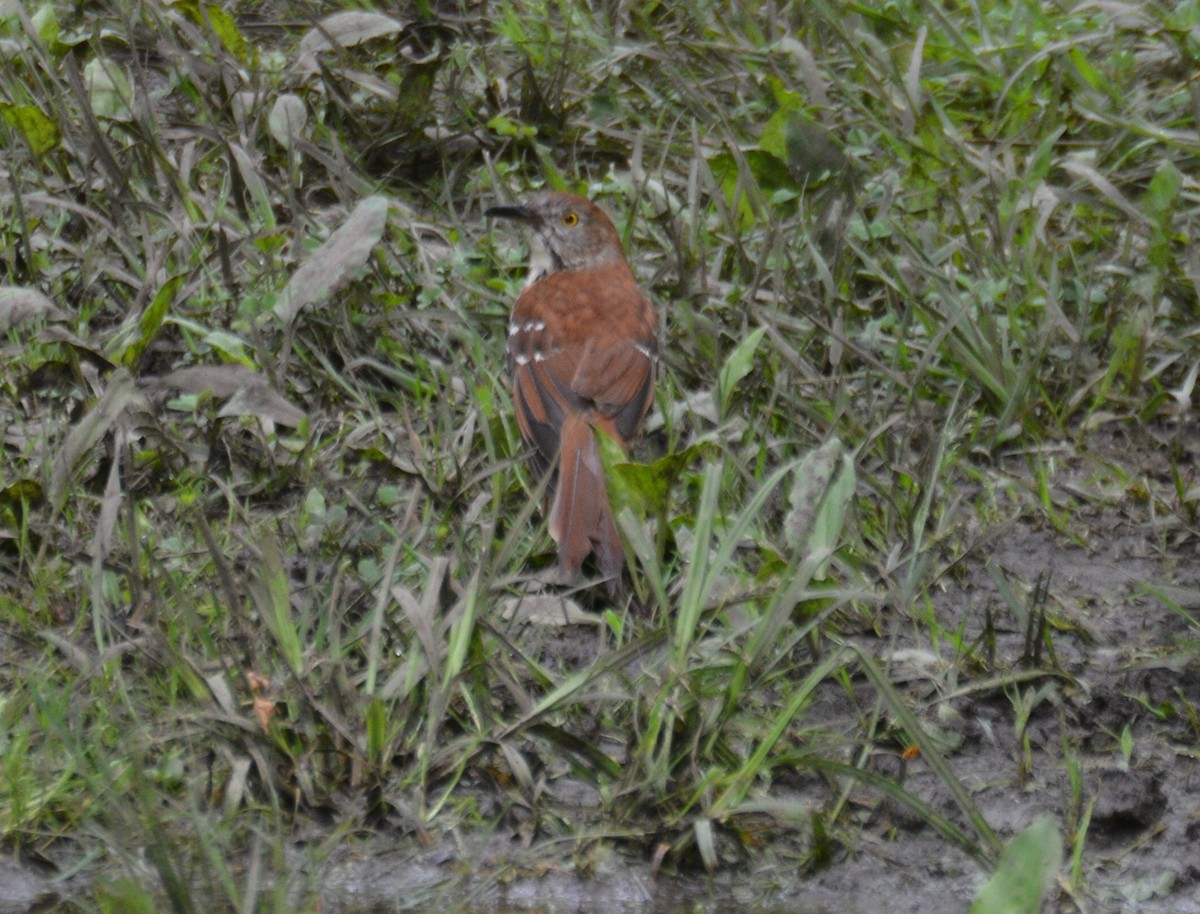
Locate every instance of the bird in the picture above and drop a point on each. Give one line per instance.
(582, 354)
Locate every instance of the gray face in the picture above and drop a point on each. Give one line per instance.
(566, 232)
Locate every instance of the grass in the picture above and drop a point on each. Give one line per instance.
(262, 509)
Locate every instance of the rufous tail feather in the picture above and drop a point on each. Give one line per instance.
(581, 518)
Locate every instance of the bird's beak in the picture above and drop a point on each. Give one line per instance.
(514, 211)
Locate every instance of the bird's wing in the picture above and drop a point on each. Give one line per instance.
(582, 342)
(541, 367)
(617, 376)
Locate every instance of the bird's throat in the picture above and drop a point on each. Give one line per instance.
(542, 261)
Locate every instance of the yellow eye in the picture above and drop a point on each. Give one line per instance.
(570, 218)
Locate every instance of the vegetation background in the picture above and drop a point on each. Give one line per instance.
(271, 572)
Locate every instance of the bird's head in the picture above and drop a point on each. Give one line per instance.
(566, 232)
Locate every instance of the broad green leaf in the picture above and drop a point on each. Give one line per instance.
(824, 486)
(1043, 158)
(811, 487)
(794, 137)
(1163, 193)
(770, 171)
(231, 346)
(124, 896)
(109, 91)
(506, 126)
(224, 26)
(222, 23)
(827, 531)
(774, 134)
(763, 171)
(724, 168)
(151, 320)
(1028, 863)
(45, 23)
(736, 367)
(272, 598)
(38, 130)
(1093, 77)
(1160, 202)
(645, 488)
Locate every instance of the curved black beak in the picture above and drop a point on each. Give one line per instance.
(513, 211)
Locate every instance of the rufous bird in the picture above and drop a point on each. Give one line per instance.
(582, 354)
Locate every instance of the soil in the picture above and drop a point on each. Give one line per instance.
(1116, 676)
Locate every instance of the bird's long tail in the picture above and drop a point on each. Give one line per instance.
(581, 518)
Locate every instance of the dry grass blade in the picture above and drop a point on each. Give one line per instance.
(119, 395)
(931, 753)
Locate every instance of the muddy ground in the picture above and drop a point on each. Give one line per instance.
(1121, 599)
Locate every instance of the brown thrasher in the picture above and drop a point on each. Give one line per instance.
(582, 351)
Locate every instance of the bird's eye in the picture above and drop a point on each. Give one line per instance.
(570, 218)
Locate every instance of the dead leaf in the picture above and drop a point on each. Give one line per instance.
(263, 403)
(336, 261)
(235, 786)
(221, 692)
(287, 119)
(542, 609)
(256, 187)
(1081, 167)
(222, 381)
(343, 30)
(120, 394)
(246, 392)
(19, 305)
